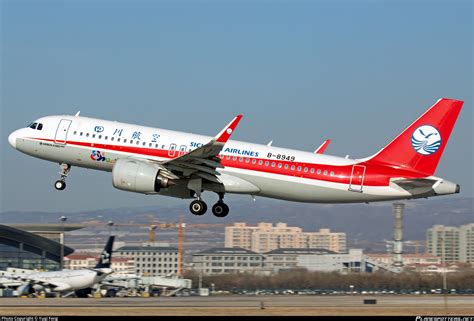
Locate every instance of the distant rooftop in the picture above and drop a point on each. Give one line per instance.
(47, 228)
(389, 255)
(227, 250)
(145, 249)
(301, 251)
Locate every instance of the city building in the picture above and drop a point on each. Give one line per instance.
(227, 261)
(238, 260)
(466, 243)
(353, 261)
(407, 258)
(282, 259)
(265, 237)
(455, 244)
(151, 260)
(33, 246)
(120, 265)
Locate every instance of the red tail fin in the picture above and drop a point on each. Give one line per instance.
(420, 146)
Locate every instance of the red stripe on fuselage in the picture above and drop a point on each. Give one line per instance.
(374, 175)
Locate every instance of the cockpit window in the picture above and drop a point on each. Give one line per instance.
(33, 125)
(37, 126)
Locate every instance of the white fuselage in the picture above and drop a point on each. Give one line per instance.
(248, 168)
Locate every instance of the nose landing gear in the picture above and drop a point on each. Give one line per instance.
(61, 183)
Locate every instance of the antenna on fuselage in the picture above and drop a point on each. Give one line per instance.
(78, 113)
(270, 143)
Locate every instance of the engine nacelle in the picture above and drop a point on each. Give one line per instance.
(138, 176)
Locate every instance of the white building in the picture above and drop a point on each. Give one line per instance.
(151, 260)
(333, 262)
(456, 244)
(227, 261)
(237, 260)
(466, 243)
(283, 259)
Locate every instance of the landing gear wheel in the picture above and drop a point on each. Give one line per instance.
(220, 209)
(198, 207)
(60, 185)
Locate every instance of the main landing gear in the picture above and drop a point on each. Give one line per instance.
(199, 207)
(61, 183)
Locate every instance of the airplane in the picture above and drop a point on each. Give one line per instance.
(158, 161)
(66, 280)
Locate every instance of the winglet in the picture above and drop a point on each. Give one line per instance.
(322, 148)
(224, 135)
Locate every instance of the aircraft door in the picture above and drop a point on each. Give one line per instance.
(357, 178)
(61, 132)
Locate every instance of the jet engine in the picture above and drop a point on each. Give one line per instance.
(138, 176)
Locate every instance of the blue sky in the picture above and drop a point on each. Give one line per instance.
(357, 72)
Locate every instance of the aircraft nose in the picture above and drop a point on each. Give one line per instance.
(12, 138)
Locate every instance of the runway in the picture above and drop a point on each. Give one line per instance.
(242, 305)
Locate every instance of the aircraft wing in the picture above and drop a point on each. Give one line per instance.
(203, 161)
(33, 281)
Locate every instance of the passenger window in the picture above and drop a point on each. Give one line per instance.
(93, 135)
(319, 171)
(332, 173)
(292, 167)
(149, 145)
(306, 169)
(131, 141)
(227, 157)
(106, 137)
(312, 170)
(75, 132)
(299, 168)
(138, 143)
(254, 161)
(273, 164)
(241, 159)
(125, 140)
(234, 158)
(260, 162)
(280, 165)
(112, 138)
(87, 134)
(80, 134)
(40, 127)
(325, 172)
(247, 160)
(267, 163)
(156, 145)
(286, 166)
